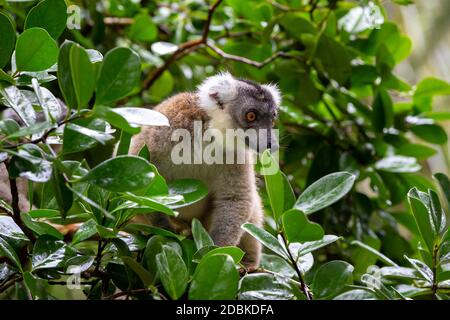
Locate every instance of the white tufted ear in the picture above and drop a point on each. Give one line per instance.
(217, 90)
(274, 91)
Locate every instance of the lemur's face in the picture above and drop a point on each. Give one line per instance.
(255, 108)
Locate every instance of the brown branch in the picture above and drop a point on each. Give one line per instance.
(183, 49)
(118, 21)
(256, 64)
(126, 293)
(9, 283)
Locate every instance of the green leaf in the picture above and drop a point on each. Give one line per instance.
(153, 248)
(334, 59)
(420, 207)
(201, 236)
(173, 272)
(162, 87)
(422, 268)
(298, 228)
(381, 256)
(432, 133)
(85, 231)
(75, 75)
(143, 274)
(35, 50)
(11, 232)
(6, 250)
(398, 164)
(331, 279)
(17, 100)
(84, 134)
(49, 253)
(234, 252)
(277, 264)
(148, 229)
(383, 112)
(437, 213)
(48, 102)
(143, 116)
(119, 75)
(325, 191)
(427, 89)
(418, 151)
(115, 119)
(7, 39)
(143, 28)
(311, 246)
(149, 203)
(40, 228)
(192, 191)
(96, 135)
(274, 184)
(78, 264)
(215, 278)
(50, 15)
(120, 174)
(444, 182)
(268, 240)
(356, 294)
(261, 286)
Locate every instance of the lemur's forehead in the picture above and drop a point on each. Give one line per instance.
(257, 92)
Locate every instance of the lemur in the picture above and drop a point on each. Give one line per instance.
(221, 102)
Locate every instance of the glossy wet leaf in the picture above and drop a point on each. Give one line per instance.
(398, 164)
(39, 227)
(120, 174)
(143, 28)
(173, 272)
(267, 239)
(311, 246)
(16, 100)
(7, 39)
(298, 228)
(190, 189)
(119, 75)
(50, 15)
(79, 264)
(331, 279)
(274, 184)
(75, 75)
(234, 252)
(35, 50)
(261, 286)
(50, 253)
(201, 236)
(325, 191)
(215, 278)
(420, 205)
(6, 250)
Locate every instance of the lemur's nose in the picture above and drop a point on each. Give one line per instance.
(269, 145)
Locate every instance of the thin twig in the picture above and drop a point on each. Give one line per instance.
(183, 49)
(9, 283)
(126, 293)
(256, 64)
(303, 285)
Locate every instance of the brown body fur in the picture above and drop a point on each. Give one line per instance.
(232, 200)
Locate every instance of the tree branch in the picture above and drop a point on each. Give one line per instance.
(256, 64)
(9, 283)
(183, 49)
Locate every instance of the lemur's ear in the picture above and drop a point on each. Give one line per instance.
(218, 90)
(274, 91)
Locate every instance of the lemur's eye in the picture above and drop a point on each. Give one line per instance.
(250, 116)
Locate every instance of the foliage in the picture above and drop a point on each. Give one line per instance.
(346, 220)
